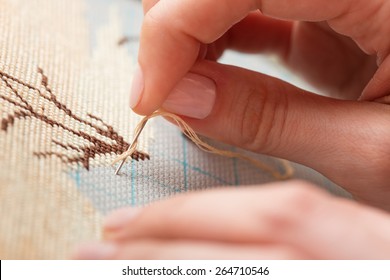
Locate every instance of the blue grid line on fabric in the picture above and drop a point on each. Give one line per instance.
(97, 189)
(204, 172)
(185, 162)
(235, 172)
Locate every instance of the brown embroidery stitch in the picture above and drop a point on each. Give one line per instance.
(124, 40)
(113, 143)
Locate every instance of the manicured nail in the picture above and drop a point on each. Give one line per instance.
(137, 87)
(193, 97)
(96, 251)
(120, 218)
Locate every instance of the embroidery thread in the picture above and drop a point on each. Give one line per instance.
(110, 141)
(191, 134)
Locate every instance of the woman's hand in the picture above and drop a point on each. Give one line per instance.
(175, 32)
(291, 220)
(347, 141)
(341, 47)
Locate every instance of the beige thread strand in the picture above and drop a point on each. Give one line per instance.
(190, 133)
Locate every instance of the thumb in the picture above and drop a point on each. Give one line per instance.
(269, 116)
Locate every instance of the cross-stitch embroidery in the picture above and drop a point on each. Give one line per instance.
(115, 143)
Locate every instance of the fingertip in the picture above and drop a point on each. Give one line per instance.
(145, 108)
(141, 101)
(137, 87)
(166, 55)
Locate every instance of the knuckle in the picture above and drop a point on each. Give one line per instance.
(260, 118)
(251, 117)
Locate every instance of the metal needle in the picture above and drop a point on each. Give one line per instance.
(135, 140)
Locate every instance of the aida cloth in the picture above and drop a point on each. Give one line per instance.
(65, 69)
(63, 93)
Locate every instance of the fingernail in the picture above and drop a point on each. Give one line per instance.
(120, 218)
(96, 251)
(137, 87)
(193, 97)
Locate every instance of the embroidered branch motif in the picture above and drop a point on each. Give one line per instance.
(113, 143)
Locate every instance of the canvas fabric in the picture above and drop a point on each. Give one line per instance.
(65, 75)
(62, 107)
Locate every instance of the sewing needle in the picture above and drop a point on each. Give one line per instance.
(133, 144)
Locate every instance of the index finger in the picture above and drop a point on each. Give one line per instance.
(173, 31)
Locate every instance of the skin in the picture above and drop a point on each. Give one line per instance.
(342, 47)
(291, 220)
